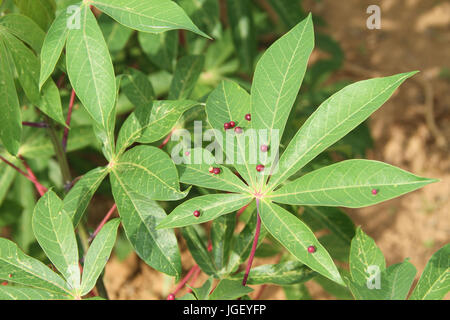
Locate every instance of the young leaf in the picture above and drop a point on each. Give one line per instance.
(98, 254)
(278, 77)
(140, 215)
(185, 77)
(53, 45)
(198, 250)
(25, 29)
(210, 206)
(364, 254)
(229, 290)
(54, 232)
(78, 198)
(28, 271)
(153, 16)
(434, 283)
(161, 48)
(149, 171)
(241, 22)
(334, 118)
(351, 183)
(24, 293)
(90, 69)
(222, 230)
(150, 124)
(195, 171)
(296, 237)
(286, 273)
(11, 119)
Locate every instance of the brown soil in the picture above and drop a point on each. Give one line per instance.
(411, 131)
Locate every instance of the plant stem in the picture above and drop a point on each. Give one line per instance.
(102, 223)
(185, 279)
(39, 187)
(60, 154)
(254, 246)
(194, 278)
(69, 117)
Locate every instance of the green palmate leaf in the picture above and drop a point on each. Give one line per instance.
(140, 215)
(53, 45)
(364, 256)
(229, 102)
(278, 77)
(334, 219)
(41, 11)
(11, 119)
(195, 171)
(394, 284)
(161, 48)
(350, 183)
(25, 29)
(185, 77)
(138, 89)
(221, 235)
(17, 267)
(24, 293)
(229, 290)
(147, 125)
(286, 273)
(27, 66)
(296, 237)
(116, 35)
(148, 15)
(78, 198)
(241, 22)
(149, 171)
(335, 117)
(54, 232)
(198, 250)
(210, 206)
(242, 244)
(336, 246)
(90, 68)
(98, 254)
(434, 282)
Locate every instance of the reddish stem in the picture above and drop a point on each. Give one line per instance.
(194, 278)
(103, 222)
(32, 178)
(40, 188)
(241, 210)
(166, 140)
(69, 117)
(183, 282)
(255, 244)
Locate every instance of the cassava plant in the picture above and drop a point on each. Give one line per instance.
(258, 170)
